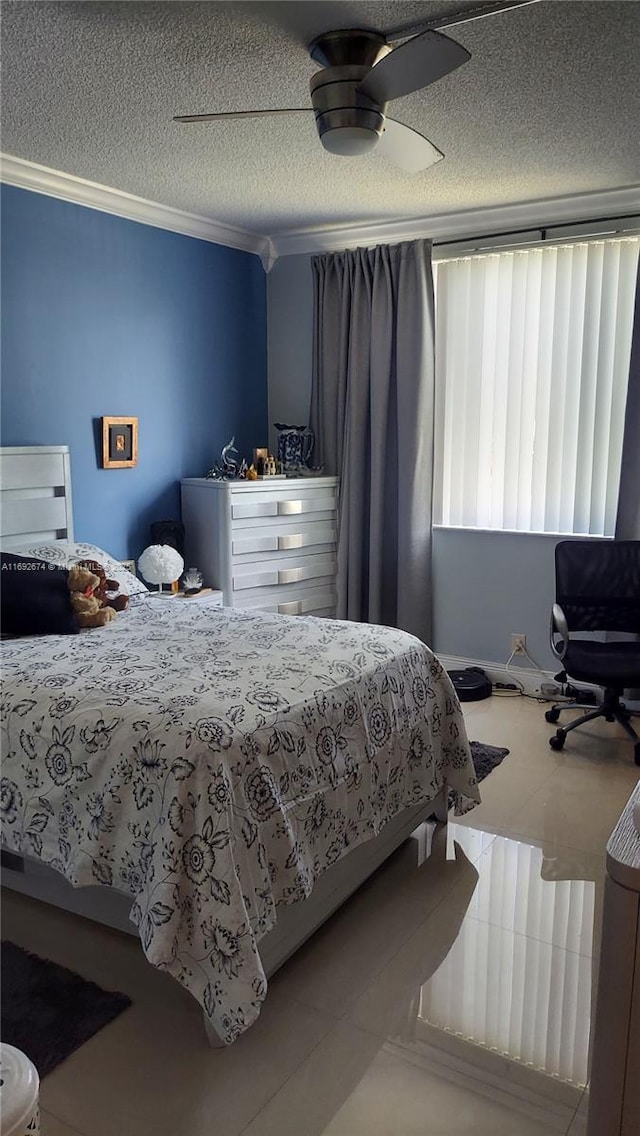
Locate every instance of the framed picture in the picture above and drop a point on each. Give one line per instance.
(119, 442)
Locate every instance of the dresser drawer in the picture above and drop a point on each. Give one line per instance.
(285, 504)
(281, 538)
(289, 571)
(264, 542)
(293, 601)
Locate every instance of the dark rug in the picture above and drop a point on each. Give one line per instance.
(48, 1011)
(485, 758)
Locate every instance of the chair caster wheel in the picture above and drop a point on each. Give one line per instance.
(552, 715)
(557, 741)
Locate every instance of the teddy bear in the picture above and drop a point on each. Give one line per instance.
(88, 609)
(105, 585)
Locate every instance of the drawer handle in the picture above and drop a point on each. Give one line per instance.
(290, 575)
(296, 540)
(285, 508)
(293, 608)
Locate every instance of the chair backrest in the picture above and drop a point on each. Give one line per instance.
(598, 584)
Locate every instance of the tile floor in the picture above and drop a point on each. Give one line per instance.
(446, 998)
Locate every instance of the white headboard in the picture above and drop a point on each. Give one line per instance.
(35, 495)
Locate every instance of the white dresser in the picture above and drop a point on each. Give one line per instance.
(614, 1103)
(266, 544)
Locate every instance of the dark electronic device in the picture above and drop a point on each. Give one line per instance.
(168, 532)
(471, 684)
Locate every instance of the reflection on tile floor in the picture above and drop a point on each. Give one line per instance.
(449, 996)
(517, 995)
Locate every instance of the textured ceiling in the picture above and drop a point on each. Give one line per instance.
(547, 106)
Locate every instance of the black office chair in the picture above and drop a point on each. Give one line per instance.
(597, 590)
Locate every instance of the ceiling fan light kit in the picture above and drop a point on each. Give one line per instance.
(348, 121)
(360, 74)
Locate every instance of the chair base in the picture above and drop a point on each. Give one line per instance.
(611, 709)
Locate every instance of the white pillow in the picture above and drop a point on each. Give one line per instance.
(65, 553)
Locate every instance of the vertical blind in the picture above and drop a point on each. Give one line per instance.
(532, 365)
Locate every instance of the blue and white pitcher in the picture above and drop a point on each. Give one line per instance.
(295, 445)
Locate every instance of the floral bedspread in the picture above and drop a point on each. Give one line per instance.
(213, 763)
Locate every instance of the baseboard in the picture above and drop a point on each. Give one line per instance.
(498, 672)
(529, 678)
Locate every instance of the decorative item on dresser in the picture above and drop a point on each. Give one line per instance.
(295, 445)
(266, 546)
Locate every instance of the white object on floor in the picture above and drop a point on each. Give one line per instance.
(19, 1088)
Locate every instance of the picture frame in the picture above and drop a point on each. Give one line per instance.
(119, 442)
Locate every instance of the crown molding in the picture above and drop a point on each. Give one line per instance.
(465, 223)
(66, 187)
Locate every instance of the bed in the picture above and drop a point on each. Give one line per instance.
(221, 778)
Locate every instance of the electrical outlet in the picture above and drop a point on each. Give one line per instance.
(518, 643)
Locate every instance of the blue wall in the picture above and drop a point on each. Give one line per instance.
(104, 316)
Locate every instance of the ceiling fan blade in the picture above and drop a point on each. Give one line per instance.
(473, 11)
(414, 64)
(239, 114)
(406, 148)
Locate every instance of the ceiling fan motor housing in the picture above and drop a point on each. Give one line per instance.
(348, 120)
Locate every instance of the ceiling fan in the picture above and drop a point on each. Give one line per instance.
(361, 73)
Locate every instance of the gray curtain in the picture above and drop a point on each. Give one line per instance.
(628, 515)
(372, 414)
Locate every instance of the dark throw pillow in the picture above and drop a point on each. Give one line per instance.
(34, 598)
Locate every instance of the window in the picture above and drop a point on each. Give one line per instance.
(532, 365)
